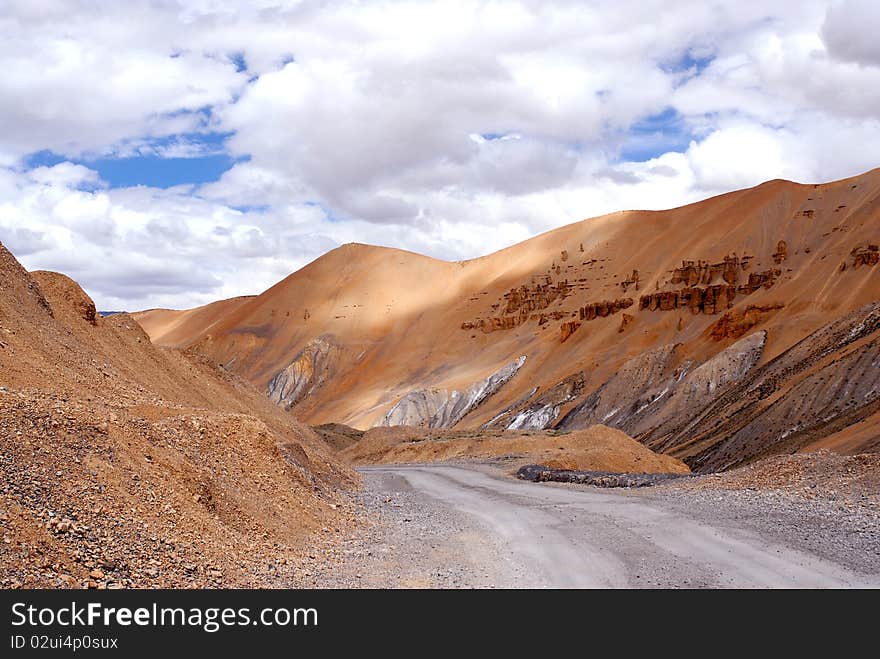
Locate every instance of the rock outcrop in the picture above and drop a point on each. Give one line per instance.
(520, 305)
(868, 254)
(765, 279)
(438, 408)
(604, 308)
(626, 393)
(651, 396)
(417, 408)
(825, 382)
(708, 300)
(311, 367)
(632, 280)
(781, 252)
(567, 329)
(736, 322)
(692, 273)
(545, 409)
(535, 297)
(673, 403)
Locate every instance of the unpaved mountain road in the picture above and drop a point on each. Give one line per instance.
(446, 525)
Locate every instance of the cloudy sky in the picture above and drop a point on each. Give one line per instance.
(172, 153)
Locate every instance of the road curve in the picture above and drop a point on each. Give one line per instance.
(562, 537)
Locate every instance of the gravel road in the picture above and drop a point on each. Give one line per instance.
(458, 526)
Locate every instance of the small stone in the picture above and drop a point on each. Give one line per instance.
(96, 574)
(69, 581)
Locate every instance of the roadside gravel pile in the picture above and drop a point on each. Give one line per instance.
(822, 502)
(597, 448)
(542, 474)
(124, 465)
(852, 478)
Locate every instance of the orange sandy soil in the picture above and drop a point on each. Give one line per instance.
(597, 448)
(126, 465)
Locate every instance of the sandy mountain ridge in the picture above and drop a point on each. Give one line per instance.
(124, 464)
(737, 327)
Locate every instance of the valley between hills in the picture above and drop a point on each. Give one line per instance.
(694, 395)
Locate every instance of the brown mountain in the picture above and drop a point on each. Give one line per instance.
(729, 329)
(124, 464)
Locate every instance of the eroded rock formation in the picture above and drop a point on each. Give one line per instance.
(781, 252)
(307, 372)
(708, 300)
(535, 297)
(438, 408)
(416, 408)
(673, 403)
(822, 384)
(488, 325)
(865, 255)
(544, 318)
(632, 280)
(567, 329)
(737, 322)
(692, 273)
(626, 392)
(756, 280)
(519, 305)
(543, 411)
(604, 308)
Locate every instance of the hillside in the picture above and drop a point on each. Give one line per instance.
(730, 329)
(175, 329)
(128, 465)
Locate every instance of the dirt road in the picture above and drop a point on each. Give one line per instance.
(457, 526)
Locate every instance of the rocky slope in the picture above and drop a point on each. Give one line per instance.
(695, 330)
(128, 465)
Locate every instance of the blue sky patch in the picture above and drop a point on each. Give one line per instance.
(655, 135)
(157, 172)
(239, 61)
(251, 208)
(164, 162)
(43, 158)
(689, 63)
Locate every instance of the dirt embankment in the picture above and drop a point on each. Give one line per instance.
(851, 479)
(597, 448)
(126, 465)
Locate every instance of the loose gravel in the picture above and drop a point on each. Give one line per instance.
(412, 541)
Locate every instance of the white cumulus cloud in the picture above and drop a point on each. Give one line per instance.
(450, 128)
